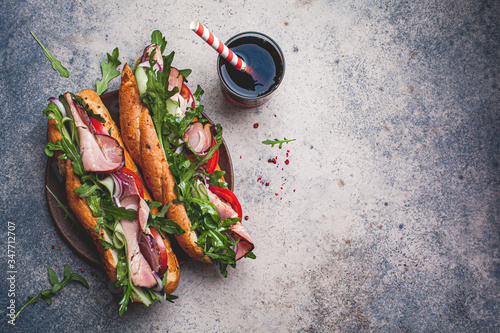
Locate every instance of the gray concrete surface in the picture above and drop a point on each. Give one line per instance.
(386, 217)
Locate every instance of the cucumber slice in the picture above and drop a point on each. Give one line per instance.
(108, 239)
(172, 106)
(142, 80)
(109, 183)
(142, 296)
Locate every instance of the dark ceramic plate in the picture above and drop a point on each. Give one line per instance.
(75, 235)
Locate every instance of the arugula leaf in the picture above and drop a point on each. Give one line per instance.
(51, 147)
(86, 189)
(67, 143)
(56, 64)
(215, 178)
(73, 154)
(159, 221)
(154, 204)
(53, 277)
(67, 212)
(167, 225)
(87, 109)
(276, 141)
(250, 255)
(57, 285)
(185, 72)
(119, 212)
(157, 38)
(98, 227)
(207, 208)
(109, 71)
(94, 202)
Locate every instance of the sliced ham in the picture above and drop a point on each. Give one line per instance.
(110, 147)
(143, 214)
(131, 202)
(131, 199)
(93, 157)
(245, 244)
(140, 271)
(236, 231)
(199, 137)
(150, 251)
(224, 209)
(175, 79)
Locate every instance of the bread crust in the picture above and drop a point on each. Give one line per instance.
(139, 136)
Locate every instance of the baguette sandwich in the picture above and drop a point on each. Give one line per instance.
(176, 149)
(106, 193)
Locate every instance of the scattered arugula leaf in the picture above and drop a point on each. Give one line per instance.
(47, 295)
(67, 213)
(56, 64)
(109, 71)
(276, 141)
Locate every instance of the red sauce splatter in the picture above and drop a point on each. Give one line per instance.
(56, 266)
(59, 248)
(287, 162)
(246, 217)
(256, 125)
(83, 270)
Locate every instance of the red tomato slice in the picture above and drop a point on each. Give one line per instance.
(138, 182)
(229, 196)
(187, 95)
(211, 165)
(163, 251)
(98, 126)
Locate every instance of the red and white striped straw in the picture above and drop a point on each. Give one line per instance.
(218, 46)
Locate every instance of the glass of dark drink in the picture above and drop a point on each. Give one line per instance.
(266, 65)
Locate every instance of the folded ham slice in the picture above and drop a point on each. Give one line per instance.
(100, 153)
(245, 244)
(140, 271)
(131, 199)
(236, 231)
